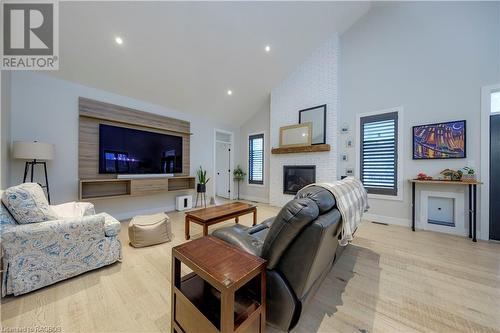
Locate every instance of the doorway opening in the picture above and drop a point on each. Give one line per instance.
(490, 162)
(494, 232)
(223, 166)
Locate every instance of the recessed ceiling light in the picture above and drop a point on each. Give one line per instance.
(229, 92)
(118, 40)
(267, 48)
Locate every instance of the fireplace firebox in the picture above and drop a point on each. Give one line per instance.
(296, 177)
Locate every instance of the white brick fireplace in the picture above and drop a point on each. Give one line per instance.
(313, 83)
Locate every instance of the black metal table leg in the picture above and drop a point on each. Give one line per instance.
(470, 211)
(474, 190)
(413, 206)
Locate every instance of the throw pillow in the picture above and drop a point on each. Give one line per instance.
(27, 203)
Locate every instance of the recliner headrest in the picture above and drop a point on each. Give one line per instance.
(321, 196)
(291, 219)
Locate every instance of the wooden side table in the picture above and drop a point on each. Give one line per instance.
(226, 292)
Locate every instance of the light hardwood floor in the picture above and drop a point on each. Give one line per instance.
(388, 280)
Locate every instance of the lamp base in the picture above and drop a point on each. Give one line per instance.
(31, 165)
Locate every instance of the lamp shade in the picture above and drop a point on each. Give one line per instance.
(33, 150)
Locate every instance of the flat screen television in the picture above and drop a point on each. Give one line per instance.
(130, 151)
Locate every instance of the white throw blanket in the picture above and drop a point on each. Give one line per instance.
(352, 202)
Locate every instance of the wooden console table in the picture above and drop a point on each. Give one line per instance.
(226, 292)
(212, 215)
(472, 201)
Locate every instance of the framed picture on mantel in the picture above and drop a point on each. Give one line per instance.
(295, 135)
(317, 116)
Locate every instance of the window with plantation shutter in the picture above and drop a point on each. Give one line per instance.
(256, 159)
(379, 153)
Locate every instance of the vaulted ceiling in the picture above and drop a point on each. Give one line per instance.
(187, 55)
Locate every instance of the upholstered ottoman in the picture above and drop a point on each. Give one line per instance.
(145, 230)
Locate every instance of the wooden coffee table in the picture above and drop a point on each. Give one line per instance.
(212, 215)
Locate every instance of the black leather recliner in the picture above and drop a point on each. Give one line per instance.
(299, 245)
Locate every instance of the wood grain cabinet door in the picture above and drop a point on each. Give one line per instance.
(149, 186)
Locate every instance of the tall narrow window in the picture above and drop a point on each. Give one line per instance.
(379, 153)
(256, 159)
(495, 102)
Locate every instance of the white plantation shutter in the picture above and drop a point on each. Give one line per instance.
(379, 153)
(256, 159)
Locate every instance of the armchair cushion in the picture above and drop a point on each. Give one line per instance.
(5, 217)
(27, 203)
(73, 209)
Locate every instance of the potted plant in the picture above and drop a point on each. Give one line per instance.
(468, 174)
(450, 174)
(201, 187)
(238, 175)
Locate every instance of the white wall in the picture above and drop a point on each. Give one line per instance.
(46, 109)
(429, 57)
(4, 129)
(259, 123)
(313, 83)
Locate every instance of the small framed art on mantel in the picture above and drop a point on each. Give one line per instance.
(296, 135)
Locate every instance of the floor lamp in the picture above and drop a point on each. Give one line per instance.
(35, 153)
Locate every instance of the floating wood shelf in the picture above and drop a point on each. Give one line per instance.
(304, 149)
(114, 188)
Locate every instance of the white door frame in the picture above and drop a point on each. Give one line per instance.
(231, 162)
(485, 159)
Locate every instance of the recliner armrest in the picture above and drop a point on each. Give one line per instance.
(239, 236)
(266, 224)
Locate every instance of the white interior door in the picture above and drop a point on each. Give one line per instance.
(222, 166)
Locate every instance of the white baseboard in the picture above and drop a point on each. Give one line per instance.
(253, 198)
(387, 219)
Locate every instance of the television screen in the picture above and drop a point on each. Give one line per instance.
(130, 151)
(439, 141)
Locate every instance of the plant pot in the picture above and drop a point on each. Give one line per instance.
(468, 178)
(201, 188)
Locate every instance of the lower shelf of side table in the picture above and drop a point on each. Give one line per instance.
(206, 300)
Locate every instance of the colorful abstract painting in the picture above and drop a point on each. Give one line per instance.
(438, 141)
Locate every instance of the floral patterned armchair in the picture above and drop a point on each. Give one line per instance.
(42, 253)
